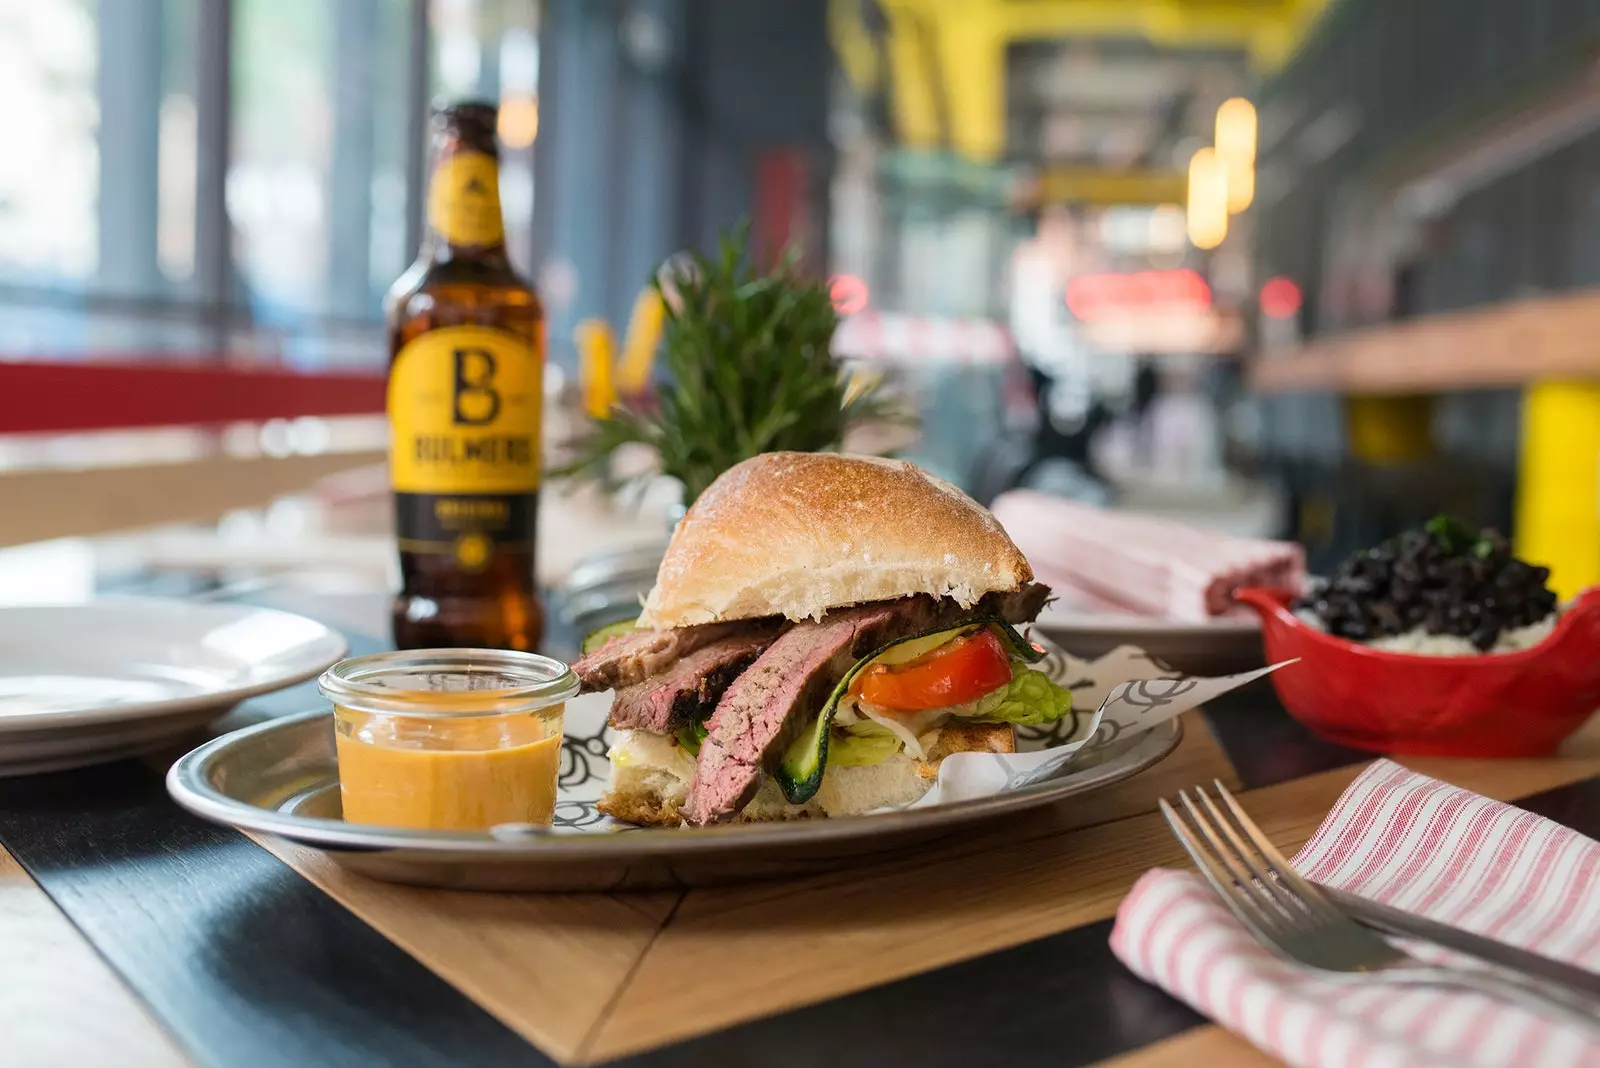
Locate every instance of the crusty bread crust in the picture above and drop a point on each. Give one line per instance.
(963, 737)
(654, 798)
(794, 534)
(643, 807)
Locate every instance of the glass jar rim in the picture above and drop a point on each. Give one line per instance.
(539, 682)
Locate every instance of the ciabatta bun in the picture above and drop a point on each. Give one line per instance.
(653, 791)
(797, 533)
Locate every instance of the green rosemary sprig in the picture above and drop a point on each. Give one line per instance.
(748, 370)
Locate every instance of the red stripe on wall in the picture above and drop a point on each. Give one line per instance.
(62, 397)
(779, 202)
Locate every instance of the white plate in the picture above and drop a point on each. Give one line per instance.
(84, 684)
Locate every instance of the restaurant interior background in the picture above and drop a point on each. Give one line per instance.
(1384, 313)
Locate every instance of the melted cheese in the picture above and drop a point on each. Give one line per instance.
(642, 749)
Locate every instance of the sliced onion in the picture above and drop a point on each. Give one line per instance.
(908, 727)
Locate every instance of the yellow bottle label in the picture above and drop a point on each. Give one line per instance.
(464, 412)
(464, 200)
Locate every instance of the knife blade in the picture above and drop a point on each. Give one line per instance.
(1394, 921)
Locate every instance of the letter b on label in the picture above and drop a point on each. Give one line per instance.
(464, 412)
(476, 402)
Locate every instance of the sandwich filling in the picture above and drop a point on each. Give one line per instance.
(902, 696)
(726, 706)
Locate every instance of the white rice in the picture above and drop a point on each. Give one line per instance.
(1420, 642)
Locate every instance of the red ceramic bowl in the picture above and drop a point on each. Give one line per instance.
(1521, 704)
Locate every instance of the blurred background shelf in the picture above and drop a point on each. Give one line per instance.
(1510, 344)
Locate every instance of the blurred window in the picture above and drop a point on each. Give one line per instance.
(48, 66)
(109, 219)
(316, 186)
(103, 95)
(178, 145)
(282, 149)
(489, 50)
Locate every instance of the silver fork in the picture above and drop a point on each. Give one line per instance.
(1292, 917)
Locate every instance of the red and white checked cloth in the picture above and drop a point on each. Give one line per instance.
(1417, 844)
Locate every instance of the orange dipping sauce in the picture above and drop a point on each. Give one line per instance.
(448, 740)
(453, 776)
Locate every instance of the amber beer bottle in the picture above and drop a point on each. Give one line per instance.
(466, 370)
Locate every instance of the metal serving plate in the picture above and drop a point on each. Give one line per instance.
(281, 778)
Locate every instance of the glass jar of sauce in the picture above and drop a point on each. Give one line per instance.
(448, 739)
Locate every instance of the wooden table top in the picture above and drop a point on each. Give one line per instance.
(134, 934)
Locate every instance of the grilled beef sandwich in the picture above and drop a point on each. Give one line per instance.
(824, 630)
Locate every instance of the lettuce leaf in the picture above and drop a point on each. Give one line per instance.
(1031, 700)
(861, 744)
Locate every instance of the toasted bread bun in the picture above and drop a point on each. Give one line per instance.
(652, 785)
(797, 533)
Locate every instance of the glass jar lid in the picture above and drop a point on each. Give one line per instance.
(444, 683)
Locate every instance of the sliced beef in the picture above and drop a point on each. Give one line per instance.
(765, 708)
(625, 659)
(631, 658)
(1019, 606)
(687, 691)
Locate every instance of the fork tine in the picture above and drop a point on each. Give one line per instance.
(1228, 858)
(1248, 881)
(1283, 896)
(1285, 872)
(1262, 924)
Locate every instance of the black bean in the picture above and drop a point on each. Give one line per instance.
(1450, 582)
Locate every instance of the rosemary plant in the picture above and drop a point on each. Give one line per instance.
(748, 370)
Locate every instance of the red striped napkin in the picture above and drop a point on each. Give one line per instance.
(1417, 844)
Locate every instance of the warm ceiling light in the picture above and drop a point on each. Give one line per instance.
(1241, 185)
(849, 293)
(519, 121)
(1280, 298)
(1236, 129)
(1207, 210)
(1098, 296)
(1236, 146)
